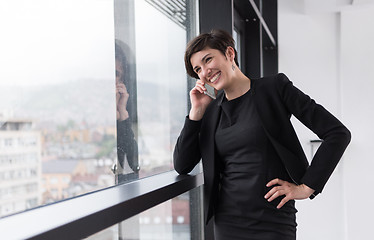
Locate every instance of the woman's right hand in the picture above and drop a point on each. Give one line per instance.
(122, 96)
(199, 101)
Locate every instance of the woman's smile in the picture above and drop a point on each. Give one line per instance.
(214, 79)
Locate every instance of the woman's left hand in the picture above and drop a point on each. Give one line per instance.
(122, 96)
(290, 190)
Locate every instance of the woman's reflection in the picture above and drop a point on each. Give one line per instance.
(127, 148)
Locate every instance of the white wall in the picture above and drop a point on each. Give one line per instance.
(330, 56)
(357, 75)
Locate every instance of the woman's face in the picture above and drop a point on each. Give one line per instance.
(213, 67)
(119, 72)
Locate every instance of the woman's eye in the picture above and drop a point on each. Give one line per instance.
(208, 59)
(197, 70)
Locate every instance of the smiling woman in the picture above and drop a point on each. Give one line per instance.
(217, 40)
(214, 68)
(254, 165)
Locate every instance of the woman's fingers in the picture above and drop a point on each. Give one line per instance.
(118, 96)
(121, 88)
(274, 193)
(283, 188)
(291, 191)
(284, 200)
(278, 193)
(275, 181)
(122, 93)
(200, 86)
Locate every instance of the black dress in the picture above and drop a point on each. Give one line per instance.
(247, 162)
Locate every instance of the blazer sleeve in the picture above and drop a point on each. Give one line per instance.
(187, 151)
(334, 135)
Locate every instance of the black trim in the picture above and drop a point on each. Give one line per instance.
(259, 54)
(216, 15)
(90, 213)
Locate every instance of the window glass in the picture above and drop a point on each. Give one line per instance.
(150, 42)
(167, 221)
(92, 92)
(57, 107)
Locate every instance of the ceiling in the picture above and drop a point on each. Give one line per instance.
(312, 6)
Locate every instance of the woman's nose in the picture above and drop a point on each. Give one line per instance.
(206, 72)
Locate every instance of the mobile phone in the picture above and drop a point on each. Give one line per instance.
(210, 91)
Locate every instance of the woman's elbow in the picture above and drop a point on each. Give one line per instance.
(177, 162)
(181, 169)
(346, 135)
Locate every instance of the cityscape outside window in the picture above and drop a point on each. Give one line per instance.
(59, 130)
(92, 94)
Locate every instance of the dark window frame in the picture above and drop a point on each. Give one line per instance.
(90, 213)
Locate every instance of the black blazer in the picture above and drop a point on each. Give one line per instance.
(276, 99)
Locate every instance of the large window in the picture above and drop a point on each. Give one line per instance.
(92, 93)
(150, 44)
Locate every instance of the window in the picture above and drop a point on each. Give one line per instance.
(155, 82)
(58, 94)
(8, 142)
(57, 109)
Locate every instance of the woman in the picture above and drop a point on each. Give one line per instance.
(254, 166)
(127, 147)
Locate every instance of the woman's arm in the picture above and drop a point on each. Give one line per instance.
(334, 134)
(187, 150)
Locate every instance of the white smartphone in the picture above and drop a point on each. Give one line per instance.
(210, 91)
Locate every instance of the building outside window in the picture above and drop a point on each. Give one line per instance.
(67, 66)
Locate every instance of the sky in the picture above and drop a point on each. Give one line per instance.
(49, 41)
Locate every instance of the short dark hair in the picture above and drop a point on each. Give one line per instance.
(216, 39)
(121, 58)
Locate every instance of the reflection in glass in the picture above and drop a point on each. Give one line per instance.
(157, 80)
(127, 147)
(57, 108)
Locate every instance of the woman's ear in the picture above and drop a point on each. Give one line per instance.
(230, 53)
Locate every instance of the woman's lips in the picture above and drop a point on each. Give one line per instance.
(215, 78)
